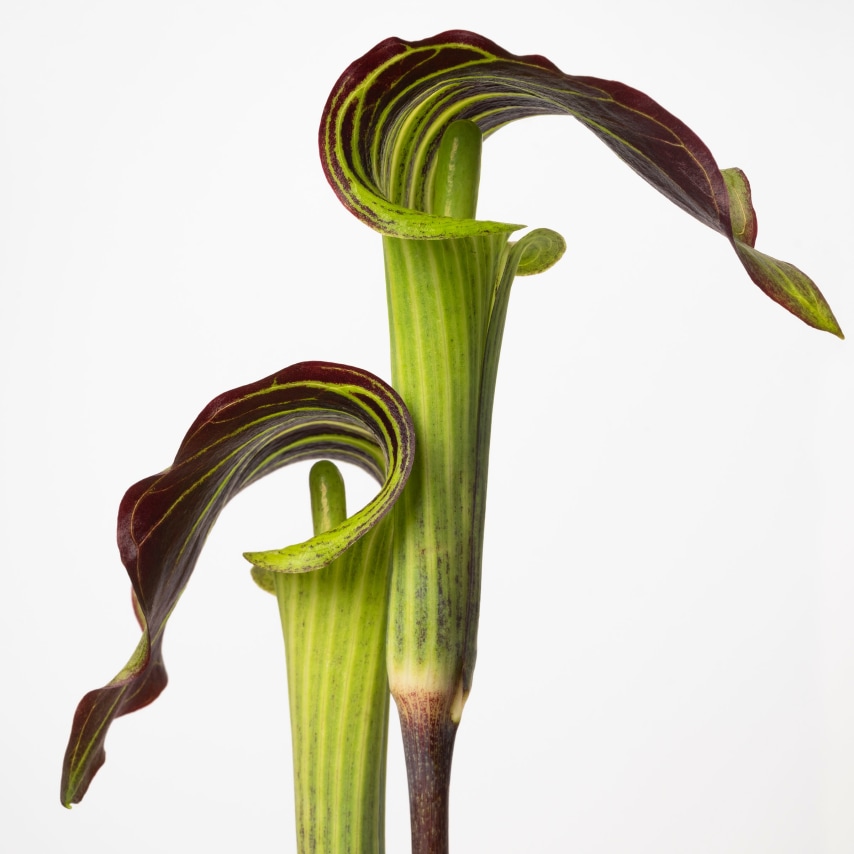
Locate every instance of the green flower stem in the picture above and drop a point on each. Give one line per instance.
(440, 297)
(334, 622)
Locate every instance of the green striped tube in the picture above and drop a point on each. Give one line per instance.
(334, 623)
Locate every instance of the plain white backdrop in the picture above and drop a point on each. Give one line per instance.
(667, 649)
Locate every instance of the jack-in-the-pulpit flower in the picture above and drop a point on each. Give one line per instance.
(399, 142)
(307, 411)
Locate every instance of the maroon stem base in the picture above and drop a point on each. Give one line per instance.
(428, 745)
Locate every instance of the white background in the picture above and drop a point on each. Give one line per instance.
(667, 649)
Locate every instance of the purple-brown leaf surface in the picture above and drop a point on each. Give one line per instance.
(383, 121)
(307, 411)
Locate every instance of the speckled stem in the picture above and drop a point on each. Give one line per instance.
(440, 295)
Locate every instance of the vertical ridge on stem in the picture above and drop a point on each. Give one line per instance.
(333, 622)
(440, 295)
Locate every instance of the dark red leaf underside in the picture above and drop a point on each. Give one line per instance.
(397, 97)
(310, 410)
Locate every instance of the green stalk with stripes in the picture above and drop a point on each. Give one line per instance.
(334, 624)
(445, 338)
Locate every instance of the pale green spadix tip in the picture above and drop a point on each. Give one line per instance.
(328, 499)
(457, 177)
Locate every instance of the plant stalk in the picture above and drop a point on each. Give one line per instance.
(440, 298)
(333, 621)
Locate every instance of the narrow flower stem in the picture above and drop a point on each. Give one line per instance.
(428, 743)
(440, 296)
(333, 622)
